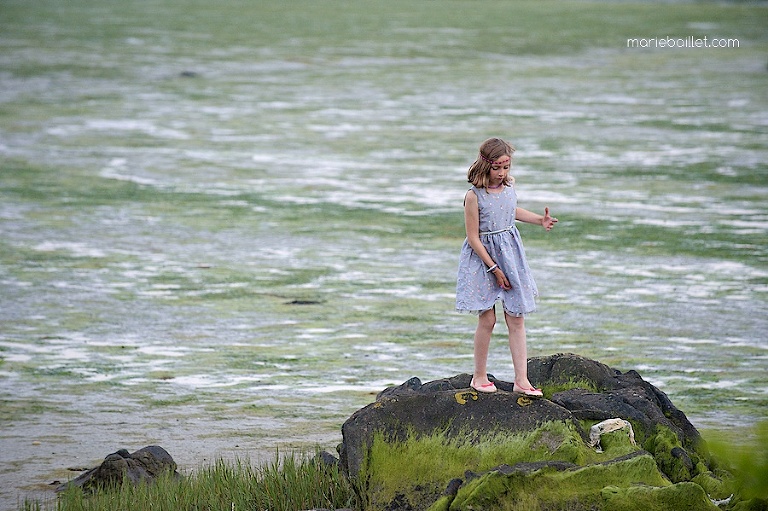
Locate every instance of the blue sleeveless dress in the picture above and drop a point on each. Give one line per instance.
(476, 289)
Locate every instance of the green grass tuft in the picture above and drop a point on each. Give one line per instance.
(551, 389)
(746, 459)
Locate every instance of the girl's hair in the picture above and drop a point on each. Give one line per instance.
(490, 151)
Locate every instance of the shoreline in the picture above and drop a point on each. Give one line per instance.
(39, 466)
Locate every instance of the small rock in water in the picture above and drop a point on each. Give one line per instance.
(143, 465)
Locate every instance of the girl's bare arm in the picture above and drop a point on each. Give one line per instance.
(472, 225)
(530, 217)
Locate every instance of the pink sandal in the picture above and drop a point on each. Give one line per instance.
(532, 392)
(488, 388)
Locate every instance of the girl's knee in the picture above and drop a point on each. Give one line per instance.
(517, 321)
(487, 319)
(487, 323)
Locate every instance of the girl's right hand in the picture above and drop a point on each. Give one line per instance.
(501, 279)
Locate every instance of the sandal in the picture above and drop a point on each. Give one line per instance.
(532, 392)
(488, 388)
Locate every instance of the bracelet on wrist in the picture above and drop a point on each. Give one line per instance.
(489, 270)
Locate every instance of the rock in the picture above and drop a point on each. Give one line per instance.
(326, 459)
(534, 444)
(548, 488)
(680, 497)
(567, 368)
(448, 406)
(143, 465)
(626, 396)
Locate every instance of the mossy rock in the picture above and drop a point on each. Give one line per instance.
(673, 459)
(678, 497)
(445, 407)
(581, 488)
(509, 451)
(756, 504)
(413, 473)
(718, 484)
(593, 391)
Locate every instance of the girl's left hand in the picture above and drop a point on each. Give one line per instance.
(501, 279)
(548, 222)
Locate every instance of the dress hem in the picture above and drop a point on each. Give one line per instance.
(478, 312)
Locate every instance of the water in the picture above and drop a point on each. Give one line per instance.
(225, 230)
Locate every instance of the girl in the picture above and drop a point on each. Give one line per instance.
(492, 264)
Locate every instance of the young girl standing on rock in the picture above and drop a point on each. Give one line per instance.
(492, 264)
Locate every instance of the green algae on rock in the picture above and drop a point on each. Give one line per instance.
(580, 488)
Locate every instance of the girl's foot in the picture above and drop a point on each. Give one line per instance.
(530, 392)
(483, 387)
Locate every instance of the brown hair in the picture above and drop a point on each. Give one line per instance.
(490, 151)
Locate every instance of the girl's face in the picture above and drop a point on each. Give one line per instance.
(500, 168)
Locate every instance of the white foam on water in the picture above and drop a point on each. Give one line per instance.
(164, 351)
(367, 387)
(112, 125)
(209, 381)
(17, 357)
(75, 248)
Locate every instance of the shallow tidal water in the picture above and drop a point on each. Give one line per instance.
(226, 228)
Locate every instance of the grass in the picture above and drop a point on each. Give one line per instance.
(288, 483)
(554, 388)
(746, 459)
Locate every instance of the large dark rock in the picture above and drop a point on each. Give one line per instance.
(607, 393)
(143, 465)
(579, 392)
(449, 406)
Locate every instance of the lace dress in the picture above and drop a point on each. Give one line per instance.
(476, 289)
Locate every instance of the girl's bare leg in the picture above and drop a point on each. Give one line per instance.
(485, 324)
(519, 350)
